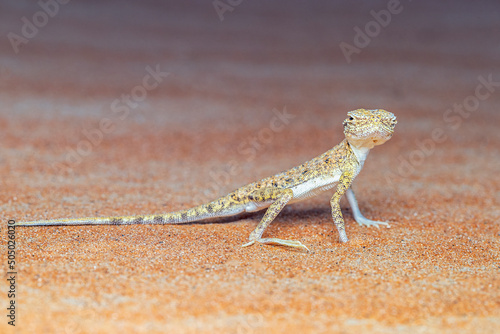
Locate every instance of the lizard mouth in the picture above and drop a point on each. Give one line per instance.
(380, 140)
(373, 139)
(378, 136)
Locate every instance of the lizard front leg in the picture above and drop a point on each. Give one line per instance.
(344, 183)
(358, 216)
(281, 197)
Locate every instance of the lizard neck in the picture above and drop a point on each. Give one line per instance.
(361, 152)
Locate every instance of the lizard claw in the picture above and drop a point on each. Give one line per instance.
(286, 243)
(278, 242)
(370, 223)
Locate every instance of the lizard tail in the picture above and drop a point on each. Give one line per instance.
(218, 208)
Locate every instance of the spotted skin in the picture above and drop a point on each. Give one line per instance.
(279, 198)
(344, 183)
(336, 168)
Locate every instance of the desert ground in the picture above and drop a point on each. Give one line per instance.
(140, 107)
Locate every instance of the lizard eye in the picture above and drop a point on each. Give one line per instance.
(351, 118)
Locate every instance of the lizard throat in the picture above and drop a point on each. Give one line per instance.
(361, 152)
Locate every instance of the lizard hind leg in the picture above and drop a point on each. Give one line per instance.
(280, 197)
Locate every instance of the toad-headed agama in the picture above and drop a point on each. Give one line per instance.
(335, 168)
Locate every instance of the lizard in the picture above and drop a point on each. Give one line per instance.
(337, 167)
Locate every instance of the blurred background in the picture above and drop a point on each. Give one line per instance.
(233, 61)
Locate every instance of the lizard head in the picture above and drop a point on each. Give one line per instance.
(368, 128)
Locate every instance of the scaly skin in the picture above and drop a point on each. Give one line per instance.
(338, 167)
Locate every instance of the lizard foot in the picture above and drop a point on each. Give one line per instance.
(279, 242)
(287, 243)
(367, 222)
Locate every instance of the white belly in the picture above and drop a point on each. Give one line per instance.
(256, 206)
(313, 187)
(300, 192)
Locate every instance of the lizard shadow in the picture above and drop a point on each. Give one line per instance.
(316, 214)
